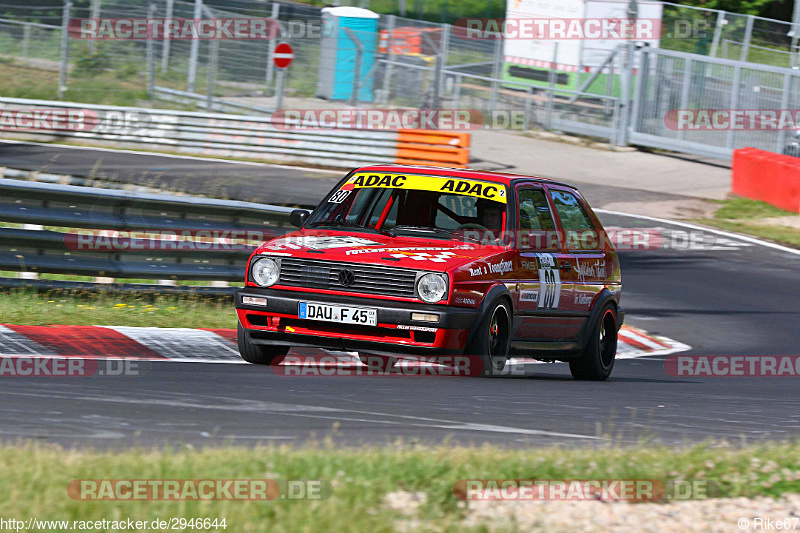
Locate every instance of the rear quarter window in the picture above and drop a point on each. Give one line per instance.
(579, 231)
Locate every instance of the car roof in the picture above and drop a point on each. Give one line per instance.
(464, 173)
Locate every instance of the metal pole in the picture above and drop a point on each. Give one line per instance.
(213, 60)
(717, 33)
(198, 9)
(62, 72)
(526, 125)
(95, 14)
(387, 74)
(279, 90)
(551, 89)
(748, 35)
(787, 87)
(150, 52)
(438, 68)
(627, 79)
(609, 83)
(687, 80)
(737, 78)
(276, 10)
(166, 43)
(457, 92)
(625, 97)
(641, 92)
(796, 35)
(612, 138)
(357, 72)
(444, 50)
(497, 71)
(26, 41)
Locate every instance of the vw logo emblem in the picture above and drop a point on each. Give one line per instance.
(346, 277)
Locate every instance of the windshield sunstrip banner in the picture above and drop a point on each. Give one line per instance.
(479, 189)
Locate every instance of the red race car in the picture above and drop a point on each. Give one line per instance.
(401, 260)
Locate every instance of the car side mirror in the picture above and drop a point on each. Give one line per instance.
(298, 217)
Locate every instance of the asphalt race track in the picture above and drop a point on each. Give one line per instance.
(252, 182)
(215, 178)
(722, 296)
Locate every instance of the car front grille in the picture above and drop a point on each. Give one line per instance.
(369, 279)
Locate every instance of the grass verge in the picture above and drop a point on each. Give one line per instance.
(25, 82)
(783, 235)
(755, 218)
(738, 208)
(105, 309)
(362, 479)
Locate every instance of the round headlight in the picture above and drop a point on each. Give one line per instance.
(432, 288)
(265, 272)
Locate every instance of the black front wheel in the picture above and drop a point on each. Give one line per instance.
(257, 354)
(492, 340)
(597, 360)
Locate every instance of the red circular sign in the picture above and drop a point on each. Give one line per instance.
(283, 55)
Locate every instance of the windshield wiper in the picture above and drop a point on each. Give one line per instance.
(393, 231)
(342, 224)
(426, 229)
(346, 224)
(440, 231)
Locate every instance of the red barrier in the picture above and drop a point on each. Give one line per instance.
(767, 176)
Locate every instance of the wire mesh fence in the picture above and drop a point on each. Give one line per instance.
(715, 60)
(694, 85)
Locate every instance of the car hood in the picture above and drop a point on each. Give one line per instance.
(371, 248)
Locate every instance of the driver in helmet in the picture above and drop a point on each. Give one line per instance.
(490, 216)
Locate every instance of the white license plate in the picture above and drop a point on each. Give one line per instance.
(338, 313)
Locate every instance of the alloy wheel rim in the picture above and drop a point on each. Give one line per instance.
(497, 338)
(607, 346)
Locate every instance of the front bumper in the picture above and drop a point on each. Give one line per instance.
(395, 334)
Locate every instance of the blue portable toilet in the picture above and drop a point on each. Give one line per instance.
(338, 52)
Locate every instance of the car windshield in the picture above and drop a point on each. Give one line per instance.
(415, 205)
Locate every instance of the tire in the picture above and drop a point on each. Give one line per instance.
(382, 363)
(492, 340)
(597, 360)
(256, 354)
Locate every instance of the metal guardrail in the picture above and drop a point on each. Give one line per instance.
(168, 237)
(224, 135)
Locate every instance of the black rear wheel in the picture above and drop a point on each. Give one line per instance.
(597, 360)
